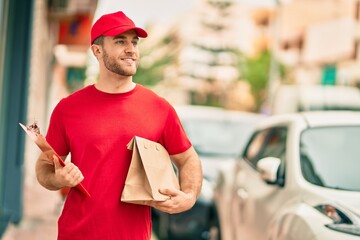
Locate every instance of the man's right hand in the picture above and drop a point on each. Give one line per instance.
(67, 176)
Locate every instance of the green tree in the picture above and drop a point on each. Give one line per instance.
(256, 70)
(151, 74)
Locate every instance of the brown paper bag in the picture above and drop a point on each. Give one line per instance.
(150, 170)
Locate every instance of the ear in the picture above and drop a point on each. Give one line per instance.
(96, 50)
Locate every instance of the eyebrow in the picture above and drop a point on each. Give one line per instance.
(123, 37)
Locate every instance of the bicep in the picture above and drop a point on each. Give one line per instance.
(187, 157)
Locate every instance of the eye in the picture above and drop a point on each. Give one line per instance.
(120, 42)
(135, 43)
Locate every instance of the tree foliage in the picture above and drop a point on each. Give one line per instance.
(256, 71)
(151, 74)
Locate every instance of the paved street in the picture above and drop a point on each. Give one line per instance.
(41, 211)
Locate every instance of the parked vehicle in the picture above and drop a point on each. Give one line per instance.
(296, 179)
(218, 136)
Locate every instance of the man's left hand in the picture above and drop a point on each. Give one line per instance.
(178, 201)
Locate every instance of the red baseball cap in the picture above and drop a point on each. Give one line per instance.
(113, 24)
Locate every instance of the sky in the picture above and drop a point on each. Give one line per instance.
(143, 12)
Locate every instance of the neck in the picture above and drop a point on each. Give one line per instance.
(115, 85)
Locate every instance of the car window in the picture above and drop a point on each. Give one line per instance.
(224, 137)
(330, 157)
(266, 143)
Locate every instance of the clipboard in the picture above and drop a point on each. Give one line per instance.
(35, 135)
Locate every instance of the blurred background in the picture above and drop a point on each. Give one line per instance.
(263, 56)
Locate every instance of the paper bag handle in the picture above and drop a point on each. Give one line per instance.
(149, 145)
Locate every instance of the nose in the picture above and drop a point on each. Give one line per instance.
(130, 48)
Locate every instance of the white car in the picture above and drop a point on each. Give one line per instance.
(218, 135)
(297, 179)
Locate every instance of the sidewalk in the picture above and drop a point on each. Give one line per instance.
(41, 211)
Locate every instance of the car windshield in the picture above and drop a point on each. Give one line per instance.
(330, 157)
(217, 137)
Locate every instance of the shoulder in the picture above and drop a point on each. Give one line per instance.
(149, 95)
(85, 91)
(80, 95)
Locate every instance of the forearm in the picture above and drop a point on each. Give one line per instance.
(190, 178)
(190, 174)
(45, 173)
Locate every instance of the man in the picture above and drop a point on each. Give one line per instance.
(95, 124)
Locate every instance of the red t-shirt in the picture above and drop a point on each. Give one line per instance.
(95, 128)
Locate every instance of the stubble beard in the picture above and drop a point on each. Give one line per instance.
(113, 66)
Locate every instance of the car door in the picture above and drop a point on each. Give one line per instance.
(254, 201)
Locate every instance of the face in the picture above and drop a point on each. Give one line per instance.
(121, 54)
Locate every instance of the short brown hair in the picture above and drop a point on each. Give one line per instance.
(99, 40)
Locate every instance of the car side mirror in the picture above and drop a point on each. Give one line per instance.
(268, 168)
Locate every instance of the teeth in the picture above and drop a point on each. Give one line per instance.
(129, 60)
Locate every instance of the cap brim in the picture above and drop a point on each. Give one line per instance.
(119, 30)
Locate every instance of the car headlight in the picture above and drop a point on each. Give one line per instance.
(343, 220)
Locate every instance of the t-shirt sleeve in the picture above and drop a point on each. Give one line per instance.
(175, 139)
(56, 135)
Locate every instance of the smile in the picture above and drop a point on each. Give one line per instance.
(128, 60)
